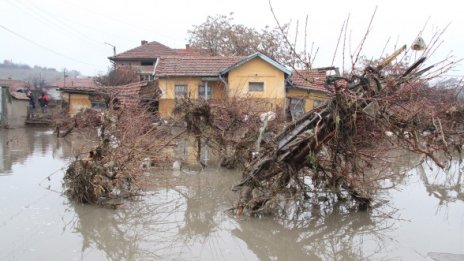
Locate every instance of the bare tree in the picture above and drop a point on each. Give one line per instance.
(219, 35)
(118, 76)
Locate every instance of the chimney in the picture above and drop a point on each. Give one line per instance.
(187, 46)
(143, 42)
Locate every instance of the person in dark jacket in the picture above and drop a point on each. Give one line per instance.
(31, 107)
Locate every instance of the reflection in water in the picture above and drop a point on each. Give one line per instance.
(446, 188)
(137, 232)
(184, 215)
(181, 215)
(17, 145)
(336, 236)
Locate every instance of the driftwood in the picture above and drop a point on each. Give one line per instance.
(326, 143)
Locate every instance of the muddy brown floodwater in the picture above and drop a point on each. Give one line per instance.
(184, 216)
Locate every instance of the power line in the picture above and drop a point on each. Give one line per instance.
(48, 19)
(140, 28)
(46, 48)
(62, 20)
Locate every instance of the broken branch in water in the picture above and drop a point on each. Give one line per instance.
(324, 150)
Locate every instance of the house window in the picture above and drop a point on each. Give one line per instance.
(146, 77)
(296, 107)
(97, 102)
(317, 103)
(146, 63)
(180, 90)
(205, 94)
(256, 86)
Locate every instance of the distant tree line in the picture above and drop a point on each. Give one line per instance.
(32, 74)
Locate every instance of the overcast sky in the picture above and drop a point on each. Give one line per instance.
(71, 33)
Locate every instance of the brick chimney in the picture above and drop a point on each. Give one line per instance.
(143, 42)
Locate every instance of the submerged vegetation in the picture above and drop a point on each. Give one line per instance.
(127, 144)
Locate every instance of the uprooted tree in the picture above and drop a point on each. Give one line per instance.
(125, 142)
(330, 152)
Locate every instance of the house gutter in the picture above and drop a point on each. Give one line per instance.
(185, 75)
(224, 81)
(308, 89)
(154, 67)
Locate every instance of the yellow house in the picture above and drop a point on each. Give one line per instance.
(306, 89)
(79, 98)
(216, 77)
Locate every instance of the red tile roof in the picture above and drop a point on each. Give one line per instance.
(75, 84)
(19, 95)
(149, 50)
(309, 79)
(195, 65)
(14, 84)
(129, 94)
(192, 52)
(154, 50)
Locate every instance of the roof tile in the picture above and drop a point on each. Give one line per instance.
(149, 50)
(309, 79)
(194, 65)
(14, 84)
(154, 50)
(76, 84)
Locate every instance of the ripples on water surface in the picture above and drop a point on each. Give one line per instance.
(184, 217)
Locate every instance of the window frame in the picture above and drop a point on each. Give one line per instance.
(178, 94)
(317, 103)
(253, 85)
(296, 107)
(147, 63)
(209, 91)
(146, 77)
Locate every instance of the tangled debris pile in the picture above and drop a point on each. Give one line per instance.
(64, 124)
(127, 139)
(231, 127)
(328, 154)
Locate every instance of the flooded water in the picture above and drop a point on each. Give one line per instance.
(185, 217)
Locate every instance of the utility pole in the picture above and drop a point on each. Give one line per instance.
(114, 48)
(114, 53)
(64, 77)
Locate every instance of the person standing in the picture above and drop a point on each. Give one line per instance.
(43, 101)
(31, 107)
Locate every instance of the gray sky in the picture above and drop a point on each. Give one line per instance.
(71, 33)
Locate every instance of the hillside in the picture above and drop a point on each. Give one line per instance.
(36, 73)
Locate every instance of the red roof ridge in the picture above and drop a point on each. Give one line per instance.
(13, 84)
(311, 78)
(152, 49)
